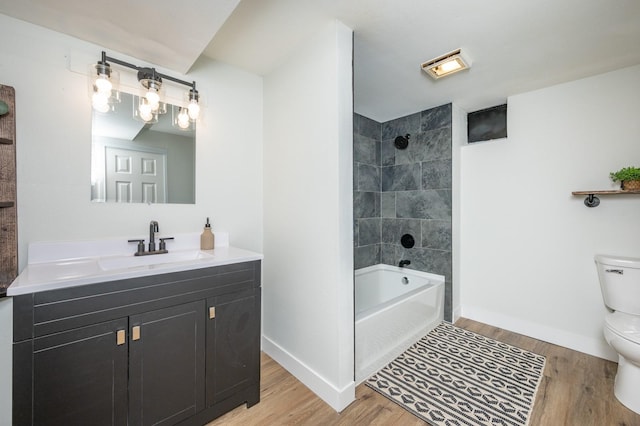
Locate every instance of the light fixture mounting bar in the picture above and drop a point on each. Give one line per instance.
(106, 58)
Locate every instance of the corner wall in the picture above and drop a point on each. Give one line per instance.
(527, 244)
(308, 214)
(458, 139)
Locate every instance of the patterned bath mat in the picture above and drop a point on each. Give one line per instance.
(456, 377)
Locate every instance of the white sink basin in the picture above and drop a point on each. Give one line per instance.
(123, 262)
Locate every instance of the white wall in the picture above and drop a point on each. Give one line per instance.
(308, 215)
(527, 244)
(458, 139)
(53, 126)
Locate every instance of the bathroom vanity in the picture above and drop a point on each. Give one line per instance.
(150, 344)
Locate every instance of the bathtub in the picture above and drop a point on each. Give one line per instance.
(394, 308)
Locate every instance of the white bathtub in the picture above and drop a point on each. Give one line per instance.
(394, 308)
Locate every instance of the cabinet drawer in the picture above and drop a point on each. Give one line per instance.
(57, 310)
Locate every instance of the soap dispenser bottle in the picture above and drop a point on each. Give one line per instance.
(207, 237)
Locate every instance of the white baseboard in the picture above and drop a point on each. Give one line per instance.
(457, 313)
(592, 346)
(338, 399)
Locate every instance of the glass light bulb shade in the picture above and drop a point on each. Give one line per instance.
(153, 98)
(100, 102)
(183, 119)
(146, 115)
(194, 109)
(180, 118)
(162, 108)
(142, 110)
(146, 111)
(103, 84)
(103, 79)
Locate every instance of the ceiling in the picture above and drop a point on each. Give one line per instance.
(514, 46)
(159, 32)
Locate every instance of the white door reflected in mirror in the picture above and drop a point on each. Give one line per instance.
(137, 162)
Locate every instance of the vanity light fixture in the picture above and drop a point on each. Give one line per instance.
(447, 64)
(147, 106)
(104, 86)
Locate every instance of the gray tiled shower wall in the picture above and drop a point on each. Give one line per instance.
(407, 191)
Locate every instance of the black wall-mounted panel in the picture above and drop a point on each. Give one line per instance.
(487, 124)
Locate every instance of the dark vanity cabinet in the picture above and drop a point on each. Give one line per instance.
(176, 348)
(234, 364)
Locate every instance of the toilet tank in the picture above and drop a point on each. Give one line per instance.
(620, 282)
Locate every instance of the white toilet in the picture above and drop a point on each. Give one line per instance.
(620, 284)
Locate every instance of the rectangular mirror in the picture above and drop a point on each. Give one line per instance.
(137, 162)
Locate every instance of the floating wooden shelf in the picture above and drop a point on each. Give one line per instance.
(593, 201)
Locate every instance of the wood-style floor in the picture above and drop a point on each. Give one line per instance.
(576, 390)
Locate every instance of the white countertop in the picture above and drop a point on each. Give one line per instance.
(57, 265)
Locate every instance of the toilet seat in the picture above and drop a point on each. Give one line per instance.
(624, 325)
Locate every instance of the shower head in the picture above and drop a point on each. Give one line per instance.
(402, 142)
(407, 241)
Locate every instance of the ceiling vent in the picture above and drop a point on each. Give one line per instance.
(445, 65)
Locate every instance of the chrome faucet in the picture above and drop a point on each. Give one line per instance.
(153, 228)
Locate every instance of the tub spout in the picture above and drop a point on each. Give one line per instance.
(404, 262)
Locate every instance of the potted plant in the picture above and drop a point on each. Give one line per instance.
(629, 178)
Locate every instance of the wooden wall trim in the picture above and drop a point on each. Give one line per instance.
(8, 193)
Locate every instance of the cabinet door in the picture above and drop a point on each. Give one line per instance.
(233, 344)
(80, 376)
(166, 364)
